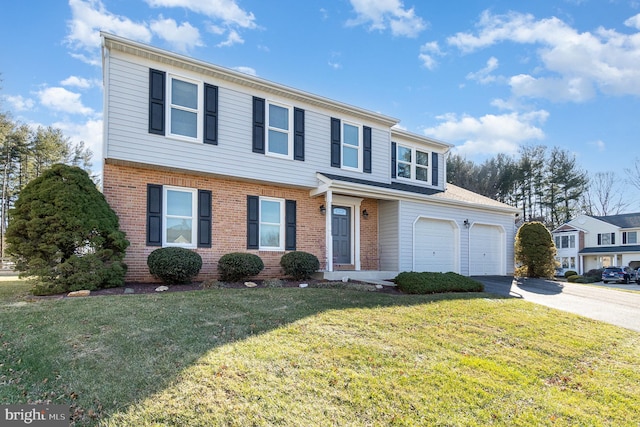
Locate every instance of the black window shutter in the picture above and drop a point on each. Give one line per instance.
(434, 168)
(204, 218)
(156, 101)
(154, 215)
(210, 114)
(258, 125)
(393, 159)
(613, 238)
(366, 145)
(253, 222)
(335, 143)
(599, 239)
(290, 221)
(624, 238)
(298, 134)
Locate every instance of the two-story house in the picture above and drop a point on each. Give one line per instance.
(591, 242)
(218, 161)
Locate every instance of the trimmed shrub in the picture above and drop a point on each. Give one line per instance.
(237, 266)
(573, 278)
(430, 283)
(569, 273)
(299, 265)
(586, 279)
(174, 265)
(595, 273)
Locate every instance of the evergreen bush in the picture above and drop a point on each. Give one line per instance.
(238, 266)
(569, 273)
(174, 265)
(299, 265)
(64, 236)
(430, 283)
(535, 250)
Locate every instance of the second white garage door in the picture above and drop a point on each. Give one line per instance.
(486, 252)
(435, 246)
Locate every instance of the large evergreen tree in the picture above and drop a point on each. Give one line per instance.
(63, 234)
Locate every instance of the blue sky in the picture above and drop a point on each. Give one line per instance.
(486, 76)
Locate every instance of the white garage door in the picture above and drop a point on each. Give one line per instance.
(434, 245)
(486, 250)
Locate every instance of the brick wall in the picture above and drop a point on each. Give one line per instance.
(125, 188)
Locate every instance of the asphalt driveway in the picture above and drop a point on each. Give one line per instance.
(608, 303)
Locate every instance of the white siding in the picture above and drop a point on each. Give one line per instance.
(388, 213)
(128, 137)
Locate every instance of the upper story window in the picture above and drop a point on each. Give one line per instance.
(412, 163)
(629, 237)
(606, 239)
(180, 207)
(279, 135)
(564, 242)
(351, 146)
(184, 108)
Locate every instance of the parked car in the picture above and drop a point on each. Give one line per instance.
(619, 274)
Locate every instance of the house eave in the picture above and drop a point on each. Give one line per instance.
(364, 190)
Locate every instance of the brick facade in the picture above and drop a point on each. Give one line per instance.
(125, 188)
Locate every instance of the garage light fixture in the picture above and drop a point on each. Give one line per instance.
(466, 223)
(323, 210)
(365, 214)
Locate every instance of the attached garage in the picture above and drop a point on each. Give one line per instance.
(435, 245)
(486, 250)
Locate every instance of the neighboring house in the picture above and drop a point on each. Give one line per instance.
(590, 242)
(214, 160)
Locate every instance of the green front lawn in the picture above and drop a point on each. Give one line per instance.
(315, 357)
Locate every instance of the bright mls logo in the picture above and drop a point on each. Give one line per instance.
(34, 415)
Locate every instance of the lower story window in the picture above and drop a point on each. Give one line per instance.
(271, 224)
(179, 222)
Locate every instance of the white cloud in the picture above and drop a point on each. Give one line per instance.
(575, 65)
(427, 53)
(246, 70)
(90, 132)
(90, 17)
(598, 145)
(490, 134)
(183, 37)
(226, 10)
(19, 103)
(633, 22)
(484, 75)
(63, 100)
(79, 82)
(233, 38)
(387, 14)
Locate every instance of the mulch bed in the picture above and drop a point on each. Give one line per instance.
(150, 288)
